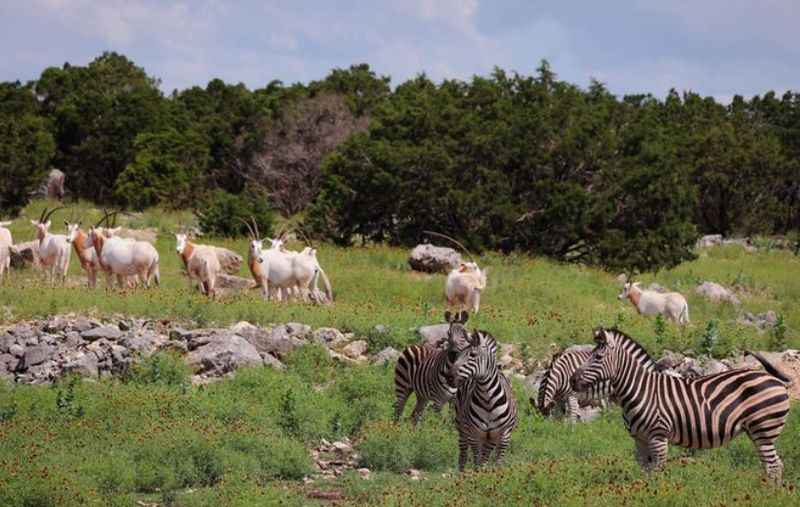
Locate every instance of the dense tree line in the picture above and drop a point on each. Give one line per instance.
(503, 161)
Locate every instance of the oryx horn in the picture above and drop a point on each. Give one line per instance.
(454, 241)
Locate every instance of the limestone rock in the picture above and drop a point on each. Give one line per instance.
(107, 332)
(433, 259)
(716, 292)
(223, 353)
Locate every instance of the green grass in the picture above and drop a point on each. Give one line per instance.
(152, 437)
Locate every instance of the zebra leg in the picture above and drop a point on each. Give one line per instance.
(487, 449)
(463, 444)
(400, 403)
(502, 446)
(773, 466)
(658, 446)
(573, 411)
(418, 409)
(642, 454)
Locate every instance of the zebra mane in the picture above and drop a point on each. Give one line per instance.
(638, 352)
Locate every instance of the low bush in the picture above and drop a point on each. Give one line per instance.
(393, 447)
(222, 214)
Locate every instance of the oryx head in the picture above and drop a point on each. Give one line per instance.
(73, 230)
(181, 239)
(626, 289)
(43, 224)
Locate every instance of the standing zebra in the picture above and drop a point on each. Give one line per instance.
(423, 370)
(699, 413)
(486, 412)
(555, 387)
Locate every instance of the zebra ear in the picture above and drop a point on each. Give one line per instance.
(475, 339)
(600, 336)
(448, 317)
(462, 317)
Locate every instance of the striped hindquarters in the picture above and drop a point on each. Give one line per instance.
(421, 370)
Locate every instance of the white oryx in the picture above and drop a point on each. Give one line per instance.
(124, 257)
(671, 305)
(201, 263)
(54, 250)
(464, 285)
(5, 245)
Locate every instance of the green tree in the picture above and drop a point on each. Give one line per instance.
(26, 150)
(166, 170)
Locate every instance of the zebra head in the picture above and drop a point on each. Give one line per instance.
(548, 387)
(600, 366)
(476, 361)
(457, 334)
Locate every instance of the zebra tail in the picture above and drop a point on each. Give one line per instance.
(772, 370)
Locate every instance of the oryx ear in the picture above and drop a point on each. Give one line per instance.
(47, 225)
(448, 317)
(34, 222)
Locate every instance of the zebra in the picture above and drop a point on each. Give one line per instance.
(555, 387)
(486, 412)
(423, 370)
(699, 413)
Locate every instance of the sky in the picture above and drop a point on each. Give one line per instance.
(713, 47)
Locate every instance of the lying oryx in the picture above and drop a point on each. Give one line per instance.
(464, 285)
(201, 263)
(124, 257)
(54, 250)
(671, 305)
(5, 245)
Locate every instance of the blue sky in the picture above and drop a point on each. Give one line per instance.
(714, 47)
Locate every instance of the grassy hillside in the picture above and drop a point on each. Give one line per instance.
(530, 301)
(151, 437)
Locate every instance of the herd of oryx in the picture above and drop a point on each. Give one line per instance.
(279, 273)
(658, 408)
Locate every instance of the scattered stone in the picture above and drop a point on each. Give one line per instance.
(356, 349)
(709, 241)
(223, 353)
(146, 343)
(8, 364)
(107, 332)
(328, 336)
(433, 335)
(233, 282)
(16, 350)
(761, 321)
(272, 361)
(414, 474)
(229, 261)
(716, 292)
(36, 355)
(82, 325)
(622, 278)
(84, 365)
(363, 473)
(24, 255)
(657, 287)
(388, 354)
(433, 259)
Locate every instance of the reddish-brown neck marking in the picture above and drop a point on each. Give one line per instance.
(634, 294)
(187, 253)
(79, 244)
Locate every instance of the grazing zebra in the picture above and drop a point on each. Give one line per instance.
(555, 386)
(423, 370)
(486, 412)
(698, 413)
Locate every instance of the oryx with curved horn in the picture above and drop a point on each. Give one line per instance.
(464, 284)
(124, 257)
(54, 251)
(201, 263)
(258, 264)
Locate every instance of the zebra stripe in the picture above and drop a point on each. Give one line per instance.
(698, 413)
(424, 371)
(555, 388)
(486, 411)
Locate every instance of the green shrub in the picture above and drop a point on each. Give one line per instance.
(222, 214)
(269, 457)
(394, 447)
(162, 368)
(312, 363)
